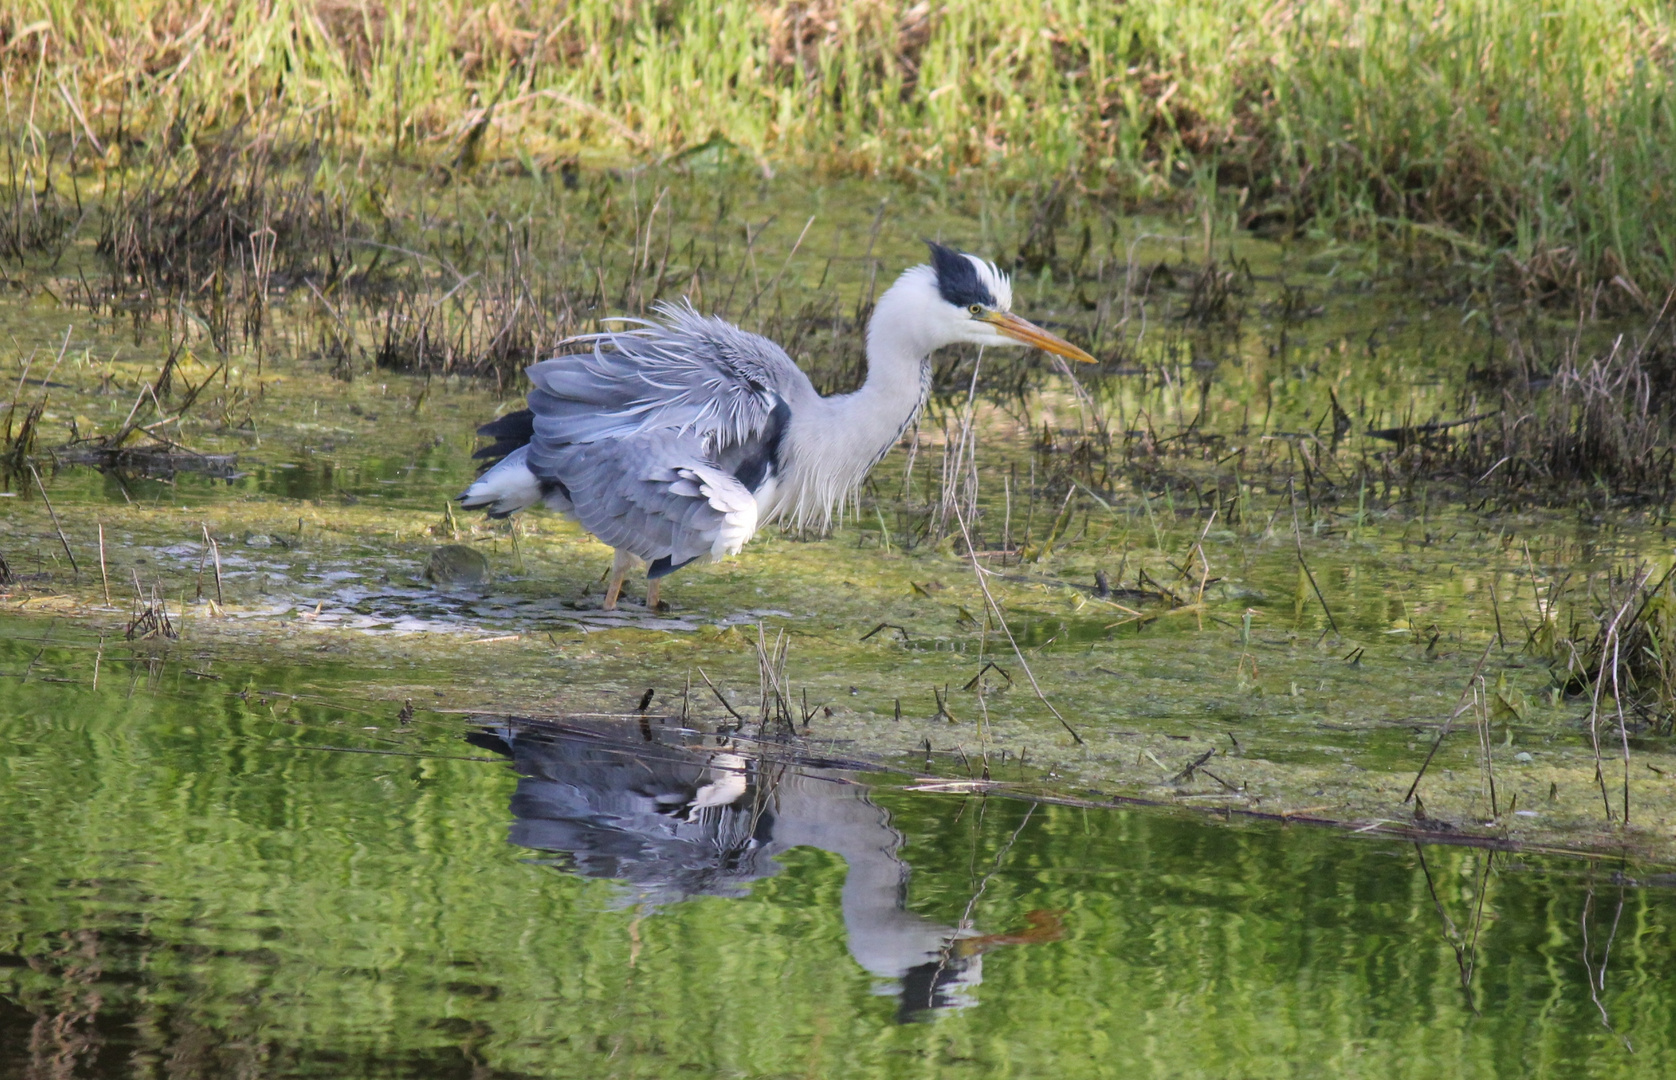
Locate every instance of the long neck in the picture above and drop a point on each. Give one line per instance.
(844, 436)
(898, 377)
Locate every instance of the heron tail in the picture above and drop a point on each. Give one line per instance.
(510, 486)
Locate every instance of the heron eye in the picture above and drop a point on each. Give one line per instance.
(976, 310)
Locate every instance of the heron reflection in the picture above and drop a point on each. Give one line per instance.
(672, 822)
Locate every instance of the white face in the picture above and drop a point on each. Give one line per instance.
(995, 324)
(914, 310)
(974, 330)
(973, 322)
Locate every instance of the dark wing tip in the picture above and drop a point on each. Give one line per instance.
(665, 566)
(509, 432)
(957, 277)
(514, 425)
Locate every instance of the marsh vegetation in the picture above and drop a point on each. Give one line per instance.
(1363, 518)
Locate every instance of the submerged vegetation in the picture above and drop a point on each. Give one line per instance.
(1281, 484)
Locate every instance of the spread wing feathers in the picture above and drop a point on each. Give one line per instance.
(654, 494)
(688, 372)
(659, 435)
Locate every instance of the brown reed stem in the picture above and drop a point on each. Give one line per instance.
(42, 488)
(1297, 534)
(104, 576)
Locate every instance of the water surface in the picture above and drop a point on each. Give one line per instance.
(200, 883)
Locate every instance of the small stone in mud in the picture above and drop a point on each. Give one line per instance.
(457, 564)
(1523, 758)
(258, 540)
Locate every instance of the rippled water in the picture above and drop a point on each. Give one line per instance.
(198, 883)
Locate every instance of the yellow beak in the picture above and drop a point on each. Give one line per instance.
(1030, 334)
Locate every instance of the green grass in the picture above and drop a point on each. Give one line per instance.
(1535, 141)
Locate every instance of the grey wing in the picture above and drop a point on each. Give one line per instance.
(664, 434)
(653, 494)
(690, 373)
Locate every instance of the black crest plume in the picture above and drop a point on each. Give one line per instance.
(957, 278)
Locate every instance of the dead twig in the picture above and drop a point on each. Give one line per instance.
(42, 488)
(731, 710)
(1462, 706)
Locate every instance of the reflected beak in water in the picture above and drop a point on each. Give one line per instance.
(1028, 333)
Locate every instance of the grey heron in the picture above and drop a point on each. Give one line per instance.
(677, 438)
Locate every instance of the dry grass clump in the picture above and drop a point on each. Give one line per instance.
(37, 217)
(228, 210)
(1604, 423)
(1617, 654)
(18, 440)
(1620, 648)
(516, 309)
(220, 226)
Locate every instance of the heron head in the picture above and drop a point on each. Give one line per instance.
(976, 302)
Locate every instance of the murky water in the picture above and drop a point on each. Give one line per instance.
(199, 883)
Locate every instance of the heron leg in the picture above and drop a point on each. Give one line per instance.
(620, 564)
(652, 593)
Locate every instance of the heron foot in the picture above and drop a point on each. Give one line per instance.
(652, 587)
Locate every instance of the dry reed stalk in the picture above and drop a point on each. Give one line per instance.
(731, 710)
(1298, 536)
(104, 577)
(1465, 702)
(1609, 645)
(982, 574)
(42, 488)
